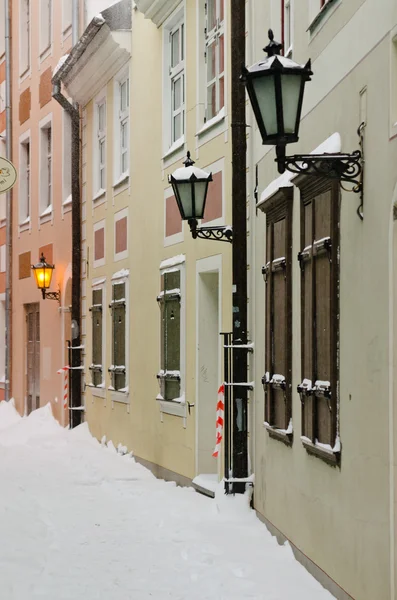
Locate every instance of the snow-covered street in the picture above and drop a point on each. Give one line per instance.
(80, 521)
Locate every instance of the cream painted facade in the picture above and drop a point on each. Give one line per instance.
(174, 438)
(342, 518)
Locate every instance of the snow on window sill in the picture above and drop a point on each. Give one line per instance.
(177, 145)
(219, 118)
(282, 435)
(24, 225)
(176, 407)
(67, 201)
(98, 195)
(323, 451)
(47, 211)
(45, 53)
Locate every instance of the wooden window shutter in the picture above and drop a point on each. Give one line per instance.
(278, 320)
(119, 335)
(319, 263)
(171, 335)
(96, 311)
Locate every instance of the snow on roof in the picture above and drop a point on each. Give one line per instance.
(60, 63)
(330, 146)
(267, 63)
(184, 173)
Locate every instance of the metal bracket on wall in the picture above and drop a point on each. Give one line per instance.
(52, 295)
(347, 168)
(220, 234)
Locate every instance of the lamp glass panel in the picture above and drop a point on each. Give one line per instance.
(185, 196)
(43, 277)
(264, 88)
(200, 189)
(291, 87)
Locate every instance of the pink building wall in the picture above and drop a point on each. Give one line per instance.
(31, 103)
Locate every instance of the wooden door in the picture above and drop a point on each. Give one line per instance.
(33, 357)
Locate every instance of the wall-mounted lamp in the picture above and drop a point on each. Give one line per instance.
(275, 88)
(43, 275)
(190, 185)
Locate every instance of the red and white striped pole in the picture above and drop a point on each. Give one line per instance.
(220, 411)
(65, 371)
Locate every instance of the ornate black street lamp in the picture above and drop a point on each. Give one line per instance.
(190, 185)
(43, 275)
(275, 88)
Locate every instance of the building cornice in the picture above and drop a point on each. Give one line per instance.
(157, 10)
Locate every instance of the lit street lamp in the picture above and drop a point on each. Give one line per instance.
(43, 275)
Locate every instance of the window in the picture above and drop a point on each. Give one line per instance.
(278, 339)
(124, 125)
(67, 158)
(100, 147)
(24, 24)
(66, 16)
(118, 308)
(46, 169)
(177, 82)
(170, 305)
(287, 27)
(319, 263)
(24, 182)
(96, 310)
(174, 81)
(214, 57)
(45, 25)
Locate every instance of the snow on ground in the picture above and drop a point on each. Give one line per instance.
(80, 521)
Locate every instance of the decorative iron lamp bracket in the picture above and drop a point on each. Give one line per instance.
(347, 168)
(52, 295)
(220, 234)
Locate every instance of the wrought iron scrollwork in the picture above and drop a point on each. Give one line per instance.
(220, 234)
(52, 296)
(345, 167)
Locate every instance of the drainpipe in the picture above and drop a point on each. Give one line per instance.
(8, 331)
(75, 411)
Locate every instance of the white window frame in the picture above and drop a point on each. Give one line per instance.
(121, 118)
(170, 75)
(46, 20)
(318, 15)
(46, 169)
(66, 17)
(212, 38)
(99, 138)
(101, 261)
(288, 27)
(24, 181)
(100, 391)
(118, 396)
(208, 129)
(117, 217)
(66, 160)
(24, 37)
(170, 407)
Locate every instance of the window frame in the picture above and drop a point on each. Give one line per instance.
(24, 37)
(311, 189)
(46, 170)
(277, 208)
(45, 45)
(287, 17)
(173, 406)
(170, 75)
(96, 286)
(121, 118)
(120, 395)
(99, 137)
(211, 37)
(25, 183)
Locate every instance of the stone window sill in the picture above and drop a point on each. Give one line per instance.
(280, 435)
(328, 456)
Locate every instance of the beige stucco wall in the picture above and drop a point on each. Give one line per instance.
(138, 424)
(342, 518)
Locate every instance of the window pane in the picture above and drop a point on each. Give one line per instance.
(101, 117)
(211, 62)
(211, 101)
(173, 332)
(221, 92)
(175, 49)
(221, 10)
(177, 133)
(177, 93)
(221, 47)
(182, 41)
(124, 95)
(172, 280)
(102, 152)
(211, 14)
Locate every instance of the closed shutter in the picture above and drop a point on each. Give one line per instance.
(171, 335)
(119, 334)
(96, 310)
(278, 322)
(320, 322)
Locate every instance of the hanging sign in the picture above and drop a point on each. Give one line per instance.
(8, 175)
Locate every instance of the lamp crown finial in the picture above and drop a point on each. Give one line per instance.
(273, 48)
(188, 162)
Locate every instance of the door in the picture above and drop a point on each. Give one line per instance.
(208, 372)
(32, 357)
